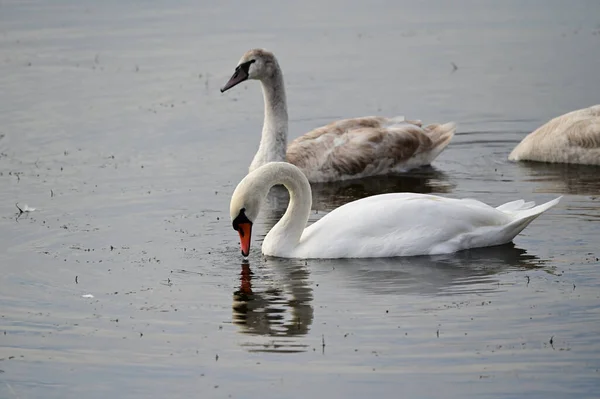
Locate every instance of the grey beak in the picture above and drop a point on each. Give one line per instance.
(238, 77)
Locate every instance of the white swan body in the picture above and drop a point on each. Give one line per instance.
(570, 138)
(400, 224)
(345, 149)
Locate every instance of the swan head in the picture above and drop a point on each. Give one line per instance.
(256, 64)
(244, 208)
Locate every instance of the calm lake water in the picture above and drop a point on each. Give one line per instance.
(114, 129)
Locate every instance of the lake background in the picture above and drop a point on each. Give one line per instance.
(114, 129)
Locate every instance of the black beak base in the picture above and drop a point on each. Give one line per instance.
(240, 74)
(238, 77)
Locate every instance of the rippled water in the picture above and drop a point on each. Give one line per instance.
(113, 128)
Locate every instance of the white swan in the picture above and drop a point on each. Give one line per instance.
(345, 149)
(569, 138)
(401, 224)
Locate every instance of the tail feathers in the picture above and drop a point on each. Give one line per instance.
(526, 215)
(440, 135)
(501, 234)
(538, 210)
(514, 206)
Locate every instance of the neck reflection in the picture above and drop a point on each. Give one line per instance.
(274, 301)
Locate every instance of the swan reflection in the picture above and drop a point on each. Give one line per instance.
(562, 178)
(275, 302)
(469, 271)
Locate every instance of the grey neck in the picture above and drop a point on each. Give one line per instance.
(273, 143)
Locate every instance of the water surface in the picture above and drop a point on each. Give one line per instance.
(114, 129)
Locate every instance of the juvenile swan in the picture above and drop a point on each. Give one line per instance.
(569, 138)
(400, 224)
(345, 149)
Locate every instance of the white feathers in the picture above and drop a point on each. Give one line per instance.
(398, 224)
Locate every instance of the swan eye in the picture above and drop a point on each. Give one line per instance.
(240, 218)
(245, 66)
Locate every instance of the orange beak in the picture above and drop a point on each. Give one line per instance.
(245, 231)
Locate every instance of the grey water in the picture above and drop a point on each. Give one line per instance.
(114, 129)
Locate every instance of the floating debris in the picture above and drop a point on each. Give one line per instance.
(87, 296)
(24, 208)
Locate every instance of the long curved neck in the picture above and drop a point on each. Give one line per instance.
(273, 143)
(285, 235)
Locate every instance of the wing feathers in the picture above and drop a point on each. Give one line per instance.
(354, 148)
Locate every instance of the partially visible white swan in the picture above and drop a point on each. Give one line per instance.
(345, 149)
(569, 138)
(400, 224)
